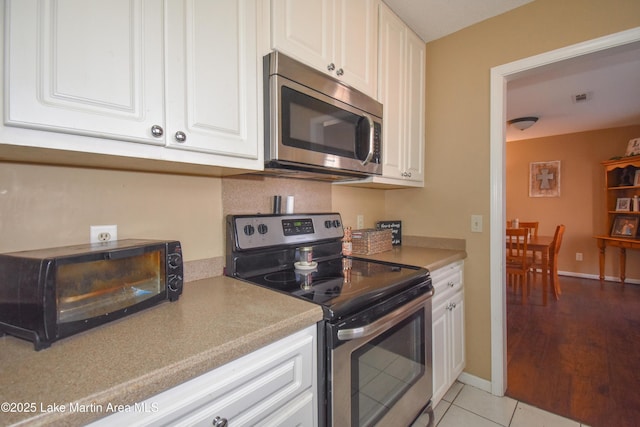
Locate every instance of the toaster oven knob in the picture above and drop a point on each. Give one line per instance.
(219, 422)
(262, 229)
(174, 260)
(174, 282)
(249, 229)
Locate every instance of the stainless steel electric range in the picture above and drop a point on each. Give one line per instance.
(375, 355)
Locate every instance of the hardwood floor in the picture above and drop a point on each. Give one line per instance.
(578, 357)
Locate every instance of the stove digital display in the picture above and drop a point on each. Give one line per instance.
(295, 227)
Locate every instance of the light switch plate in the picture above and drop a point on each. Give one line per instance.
(476, 223)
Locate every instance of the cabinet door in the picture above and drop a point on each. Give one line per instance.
(304, 30)
(86, 66)
(441, 352)
(212, 74)
(356, 49)
(457, 355)
(415, 116)
(391, 91)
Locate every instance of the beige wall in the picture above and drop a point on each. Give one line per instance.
(457, 132)
(581, 205)
(47, 206)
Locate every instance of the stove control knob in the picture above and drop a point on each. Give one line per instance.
(262, 229)
(249, 230)
(327, 224)
(336, 223)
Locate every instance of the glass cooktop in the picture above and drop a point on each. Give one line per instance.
(343, 285)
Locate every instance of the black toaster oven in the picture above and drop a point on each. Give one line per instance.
(49, 294)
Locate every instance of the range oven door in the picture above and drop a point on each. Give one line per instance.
(381, 372)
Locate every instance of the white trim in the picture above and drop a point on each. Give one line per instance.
(474, 381)
(499, 77)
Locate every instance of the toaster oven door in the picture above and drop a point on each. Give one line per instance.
(109, 282)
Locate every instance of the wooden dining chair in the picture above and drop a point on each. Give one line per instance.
(531, 226)
(517, 265)
(536, 263)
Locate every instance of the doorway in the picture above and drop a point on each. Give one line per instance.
(500, 75)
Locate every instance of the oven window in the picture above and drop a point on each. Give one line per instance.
(91, 289)
(314, 125)
(385, 368)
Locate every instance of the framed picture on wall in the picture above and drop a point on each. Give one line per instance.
(623, 204)
(625, 226)
(544, 179)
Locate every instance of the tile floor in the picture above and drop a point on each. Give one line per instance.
(467, 406)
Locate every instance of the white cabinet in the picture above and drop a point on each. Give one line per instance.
(338, 37)
(180, 75)
(448, 327)
(273, 386)
(402, 93)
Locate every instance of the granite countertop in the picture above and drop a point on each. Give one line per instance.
(216, 320)
(430, 258)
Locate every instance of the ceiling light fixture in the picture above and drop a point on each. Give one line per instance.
(523, 123)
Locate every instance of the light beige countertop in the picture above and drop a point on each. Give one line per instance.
(430, 258)
(215, 321)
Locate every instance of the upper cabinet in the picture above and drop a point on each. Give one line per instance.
(181, 79)
(401, 90)
(338, 37)
(402, 93)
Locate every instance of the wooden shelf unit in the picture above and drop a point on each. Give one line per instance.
(619, 183)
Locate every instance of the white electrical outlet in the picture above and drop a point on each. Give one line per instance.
(578, 256)
(103, 233)
(359, 222)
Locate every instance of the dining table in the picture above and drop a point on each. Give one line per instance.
(543, 245)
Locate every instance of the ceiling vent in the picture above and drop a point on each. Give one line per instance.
(582, 97)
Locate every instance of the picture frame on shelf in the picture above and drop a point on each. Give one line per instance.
(623, 204)
(633, 147)
(636, 179)
(625, 226)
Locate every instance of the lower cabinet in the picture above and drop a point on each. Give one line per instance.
(448, 328)
(273, 386)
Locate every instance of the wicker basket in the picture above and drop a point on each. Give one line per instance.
(371, 241)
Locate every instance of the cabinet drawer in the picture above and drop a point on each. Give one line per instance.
(258, 389)
(447, 280)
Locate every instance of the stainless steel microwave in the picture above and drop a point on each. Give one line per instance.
(49, 294)
(317, 126)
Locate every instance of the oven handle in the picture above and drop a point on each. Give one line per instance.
(384, 322)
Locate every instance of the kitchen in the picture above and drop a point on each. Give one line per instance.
(45, 206)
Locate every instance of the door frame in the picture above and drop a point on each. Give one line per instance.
(500, 75)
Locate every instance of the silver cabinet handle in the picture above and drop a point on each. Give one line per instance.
(157, 131)
(451, 284)
(181, 136)
(340, 72)
(331, 67)
(219, 422)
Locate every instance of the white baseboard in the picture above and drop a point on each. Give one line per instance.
(596, 277)
(474, 381)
